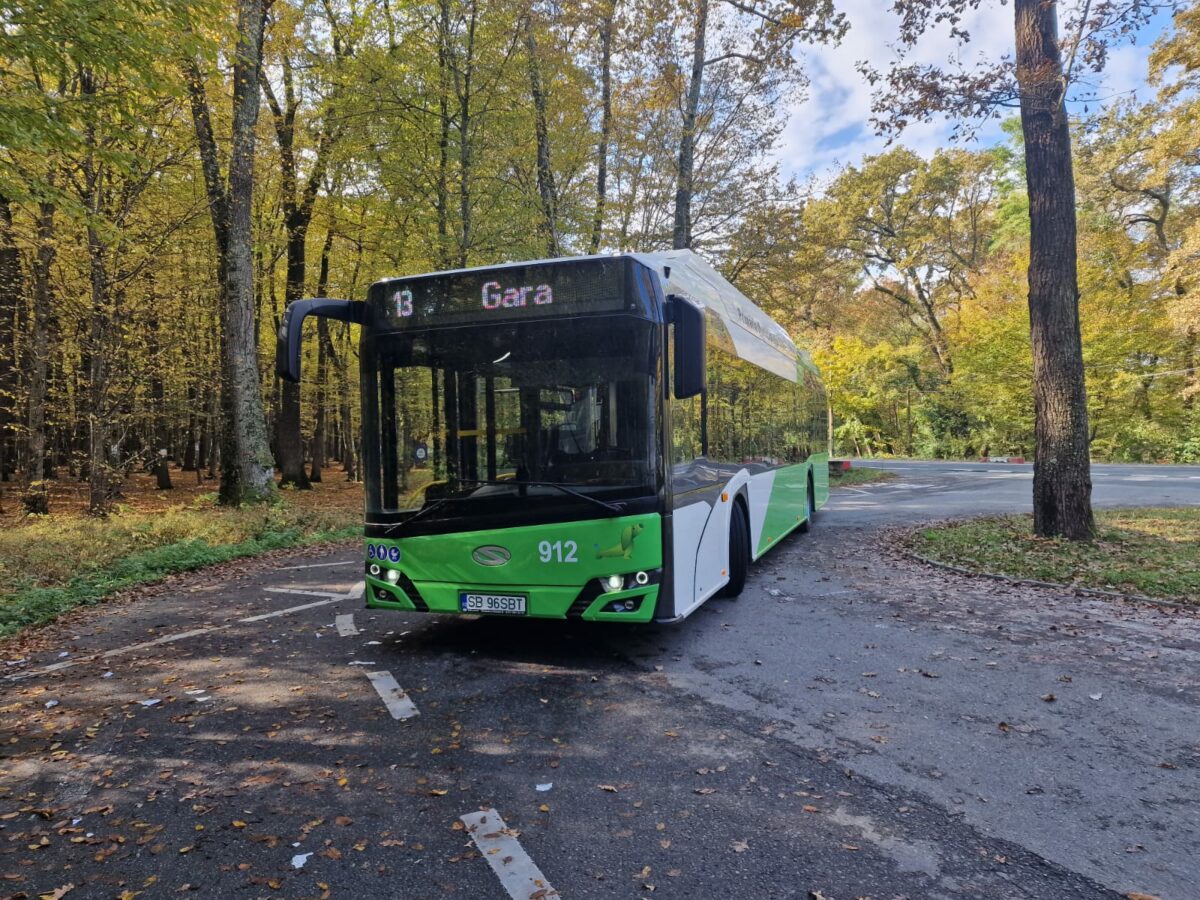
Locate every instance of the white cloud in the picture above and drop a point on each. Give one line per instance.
(832, 125)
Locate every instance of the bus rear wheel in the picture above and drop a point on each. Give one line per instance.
(811, 511)
(739, 552)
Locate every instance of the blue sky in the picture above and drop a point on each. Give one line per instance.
(831, 126)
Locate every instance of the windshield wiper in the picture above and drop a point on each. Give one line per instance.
(604, 504)
(420, 512)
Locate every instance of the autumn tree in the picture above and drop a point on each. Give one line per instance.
(1037, 80)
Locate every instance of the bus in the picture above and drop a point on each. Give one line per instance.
(609, 438)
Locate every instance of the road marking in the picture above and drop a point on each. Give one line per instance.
(168, 639)
(392, 695)
(291, 609)
(317, 565)
(183, 635)
(304, 593)
(517, 873)
(345, 625)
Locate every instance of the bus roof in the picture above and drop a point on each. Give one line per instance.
(748, 332)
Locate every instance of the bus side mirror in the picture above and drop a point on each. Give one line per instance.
(291, 329)
(690, 359)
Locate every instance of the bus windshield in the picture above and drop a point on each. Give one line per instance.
(510, 416)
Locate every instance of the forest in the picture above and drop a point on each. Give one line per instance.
(387, 137)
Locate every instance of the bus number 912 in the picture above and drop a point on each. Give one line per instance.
(559, 551)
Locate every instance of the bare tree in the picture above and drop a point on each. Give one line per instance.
(246, 466)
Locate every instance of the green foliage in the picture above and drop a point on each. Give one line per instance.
(1153, 552)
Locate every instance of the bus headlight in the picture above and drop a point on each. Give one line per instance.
(614, 582)
(374, 570)
(641, 578)
(393, 575)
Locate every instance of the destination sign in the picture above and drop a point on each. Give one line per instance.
(508, 292)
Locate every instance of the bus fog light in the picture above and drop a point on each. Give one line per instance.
(630, 604)
(393, 575)
(374, 570)
(614, 582)
(641, 578)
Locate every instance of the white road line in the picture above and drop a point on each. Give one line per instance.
(171, 638)
(517, 873)
(291, 609)
(317, 565)
(392, 695)
(345, 625)
(168, 639)
(304, 593)
(357, 591)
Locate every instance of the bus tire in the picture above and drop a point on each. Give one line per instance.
(739, 551)
(811, 511)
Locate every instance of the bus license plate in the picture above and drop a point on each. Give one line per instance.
(498, 604)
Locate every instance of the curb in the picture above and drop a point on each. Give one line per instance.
(1016, 460)
(1029, 582)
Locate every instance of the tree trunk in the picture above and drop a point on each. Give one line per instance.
(37, 496)
(1062, 483)
(12, 288)
(545, 174)
(101, 474)
(246, 468)
(289, 444)
(321, 431)
(464, 147)
(443, 172)
(682, 234)
(606, 28)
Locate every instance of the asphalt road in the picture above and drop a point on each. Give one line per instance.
(854, 725)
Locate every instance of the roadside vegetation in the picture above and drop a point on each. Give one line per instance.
(860, 475)
(51, 564)
(1152, 552)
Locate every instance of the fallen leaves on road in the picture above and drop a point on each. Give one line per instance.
(740, 846)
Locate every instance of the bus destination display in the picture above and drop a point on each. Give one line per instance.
(506, 292)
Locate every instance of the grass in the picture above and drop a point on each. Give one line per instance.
(860, 475)
(1153, 552)
(52, 564)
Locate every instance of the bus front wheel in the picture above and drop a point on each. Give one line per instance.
(739, 551)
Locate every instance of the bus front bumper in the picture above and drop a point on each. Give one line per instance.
(590, 602)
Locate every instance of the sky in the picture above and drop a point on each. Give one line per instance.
(831, 126)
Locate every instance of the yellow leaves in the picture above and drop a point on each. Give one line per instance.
(237, 823)
(57, 893)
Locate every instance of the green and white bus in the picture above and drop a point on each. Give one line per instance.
(607, 438)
